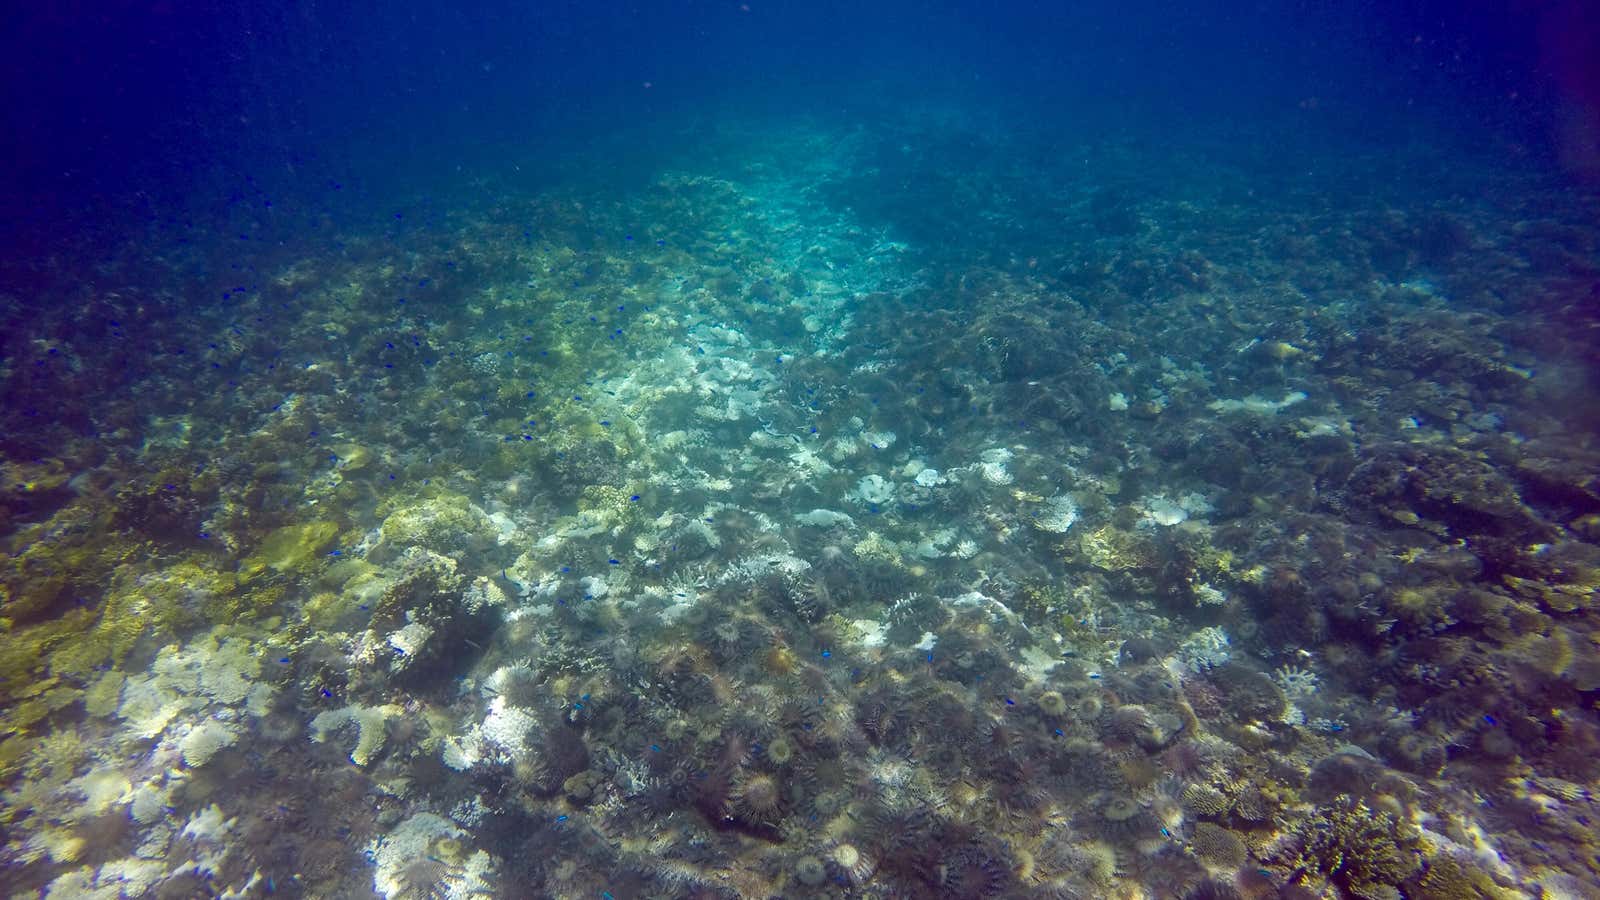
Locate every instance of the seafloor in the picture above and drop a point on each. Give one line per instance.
(929, 509)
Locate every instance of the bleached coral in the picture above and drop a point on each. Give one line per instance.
(825, 518)
(409, 641)
(1256, 404)
(515, 678)
(205, 740)
(1057, 514)
(755, 568)
(82, 884)
(421, 838)
(462, 752)
(471, 812)
(226, 678)
(1205, 649)
(185, 680)
(878, 440)
(149, 803)
(508, 733)
(412, 839)
(1297, 683)
(1208, 595)
(933, 546)
(130, 876)
(209, 825)
(872, 489)
(473, 881)
(371, 726)
(150, 704)
(997, 611)
(992, 466)
(509, 729)
(100, 790)
(1162, 510)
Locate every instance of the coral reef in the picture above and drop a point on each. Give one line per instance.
(1367, 852)
(742, 539)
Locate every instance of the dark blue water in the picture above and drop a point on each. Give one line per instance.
(177, 108)
(799, 449)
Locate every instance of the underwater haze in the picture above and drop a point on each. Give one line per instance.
(800, 449)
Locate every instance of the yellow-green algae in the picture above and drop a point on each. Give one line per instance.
(290, 549)
(446, 522)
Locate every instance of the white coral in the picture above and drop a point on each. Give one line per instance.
(1057, 514)
(1208, 595)
(209, 824)
(995, 473)
(1297, 683)
(1205, 649)
(82, 884)
(149, 804)
(878, 440)
(411, 840)
(100, 789)
(825, 518)
(185, 680)
(409, 641)
(1256, 404)
(873, 489)
(509, 728)
(371, 724)
(463, 752)
(131, 876)
(517, 676)
(1163, 511)
(205, 740)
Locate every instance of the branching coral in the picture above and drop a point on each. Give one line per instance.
(1348, 843)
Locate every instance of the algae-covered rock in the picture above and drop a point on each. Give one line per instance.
(56, 564)
(369, 724)
(292, 548)
(447, 524)
(153, 604)
(353, 457)
(430, 621)
(354, 587)
(1113, 549)
(1363, 850)
(1462, 492)
(1564, 576)
(104, 694)
(28, 489)
(613, 506)
(167, 505)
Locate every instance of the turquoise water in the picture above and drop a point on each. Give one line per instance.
(733, 452)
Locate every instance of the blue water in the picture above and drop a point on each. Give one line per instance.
(199, 110)
(799, 449)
